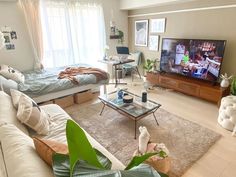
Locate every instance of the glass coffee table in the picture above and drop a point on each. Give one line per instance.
(135, 110)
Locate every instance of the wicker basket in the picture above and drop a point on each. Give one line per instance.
(161, 165)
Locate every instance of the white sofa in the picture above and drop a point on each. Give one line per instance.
(17, 153)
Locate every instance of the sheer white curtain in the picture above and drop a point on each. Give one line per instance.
(31, 10)
(73, 32)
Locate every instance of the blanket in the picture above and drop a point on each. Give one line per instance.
(70, 72)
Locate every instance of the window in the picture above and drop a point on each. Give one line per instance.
(72, 33)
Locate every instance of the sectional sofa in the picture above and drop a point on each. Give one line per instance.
(18, 157)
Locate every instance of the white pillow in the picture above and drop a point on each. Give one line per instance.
(7, 84)
(11, 73)
(15, 96)
(32, 115)
(8, 112)
(20, 156)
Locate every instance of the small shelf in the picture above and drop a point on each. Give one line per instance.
(115, 37)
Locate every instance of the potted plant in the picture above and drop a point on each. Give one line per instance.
(84, 160)
(149, 65)
(233, 86)
(121, 37)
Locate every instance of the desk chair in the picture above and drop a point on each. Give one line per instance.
(133, 67)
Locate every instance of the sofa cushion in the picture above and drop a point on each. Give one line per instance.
(8, 112)
(46, 149)
(15, 96)
(31, 115)
(7, 84)
(58, 118)
(11, 73)
(20, 156)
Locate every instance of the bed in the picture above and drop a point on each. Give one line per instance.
(44, 85)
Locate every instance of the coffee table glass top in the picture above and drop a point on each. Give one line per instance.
(135, 109)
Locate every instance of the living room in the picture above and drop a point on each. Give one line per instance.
(61, 70)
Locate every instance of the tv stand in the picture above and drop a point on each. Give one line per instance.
(190, 86)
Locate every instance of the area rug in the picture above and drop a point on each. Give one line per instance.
(186, 141)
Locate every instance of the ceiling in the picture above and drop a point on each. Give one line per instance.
(137, 4)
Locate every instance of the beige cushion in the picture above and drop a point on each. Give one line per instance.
(7, 84)
(20, 156)
(8, 112)
(46, 149)
(11, 73)
(15, 96)
(32, 115)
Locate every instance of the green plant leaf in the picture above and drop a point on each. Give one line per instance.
(61, 168)
(233, 86)
(137, 160)
(144, 170)
(79, 146)
(163, 175)
(61, 165)
(106, 163)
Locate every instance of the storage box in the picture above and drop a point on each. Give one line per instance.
(84, 96)
(65, 101)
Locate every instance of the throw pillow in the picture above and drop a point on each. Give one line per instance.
(32, 115)
(46, 149)
(15, 96)
(11, 73)
(19, 154)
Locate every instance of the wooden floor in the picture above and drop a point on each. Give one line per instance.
(220, 160)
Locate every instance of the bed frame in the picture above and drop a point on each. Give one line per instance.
(67, 92)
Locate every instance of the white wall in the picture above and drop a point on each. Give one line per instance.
(121, 20)
(22, 57)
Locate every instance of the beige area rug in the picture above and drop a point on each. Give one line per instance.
(187, 141)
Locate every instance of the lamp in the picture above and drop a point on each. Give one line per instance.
(2, 40)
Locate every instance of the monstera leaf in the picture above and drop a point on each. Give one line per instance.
(61, 168)
(84, 160)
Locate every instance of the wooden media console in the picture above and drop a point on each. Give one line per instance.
(190, 86)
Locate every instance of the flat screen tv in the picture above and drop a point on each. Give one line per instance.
(195, 58)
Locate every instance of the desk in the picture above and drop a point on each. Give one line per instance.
(115, 64)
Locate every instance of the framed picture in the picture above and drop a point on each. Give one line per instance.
(158, 25)
(13, 35)
(141, 33)
(7, 38)
(154, 42)
(10, 46)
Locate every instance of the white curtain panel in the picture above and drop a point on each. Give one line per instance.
(73, 32)
(31, 9)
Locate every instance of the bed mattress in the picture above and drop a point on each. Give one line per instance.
(46, 81)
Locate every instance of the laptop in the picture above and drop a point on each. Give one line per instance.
(123, 53)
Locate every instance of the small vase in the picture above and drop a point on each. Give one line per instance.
(224, 83)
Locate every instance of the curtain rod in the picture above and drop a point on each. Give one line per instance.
(184, 10)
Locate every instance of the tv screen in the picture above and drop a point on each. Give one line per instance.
(195, 58)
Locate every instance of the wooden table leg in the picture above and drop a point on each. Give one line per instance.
(135, 124)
